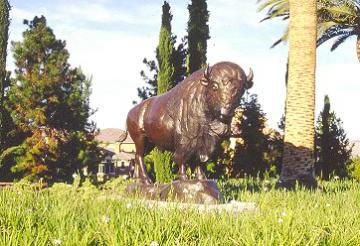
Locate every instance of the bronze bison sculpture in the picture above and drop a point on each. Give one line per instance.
(189, 120)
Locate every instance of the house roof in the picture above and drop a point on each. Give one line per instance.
(124, 156)
(107, 151)
(112, 135)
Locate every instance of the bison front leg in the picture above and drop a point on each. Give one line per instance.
(199, 173)
(182, 172)
(179, 160)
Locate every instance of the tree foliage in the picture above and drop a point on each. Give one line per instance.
(333, 146)
(169, 65)
(256, 149)
(49, 103)
(164, 54)
(198, 34)
(162, 160)
(4, 76)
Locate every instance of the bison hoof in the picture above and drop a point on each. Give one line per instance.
(144, 181)
(201, 177)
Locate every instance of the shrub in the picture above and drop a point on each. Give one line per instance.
(354, 168)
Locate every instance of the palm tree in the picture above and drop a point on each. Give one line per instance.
(298, 156)
(338, 19)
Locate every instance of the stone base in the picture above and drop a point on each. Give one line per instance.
(188, 191)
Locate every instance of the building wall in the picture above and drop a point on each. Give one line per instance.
(111, 146)
(122, 163)
(127, 147)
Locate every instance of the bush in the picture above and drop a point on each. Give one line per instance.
(354, 168)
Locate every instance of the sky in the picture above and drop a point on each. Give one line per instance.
(108, 39)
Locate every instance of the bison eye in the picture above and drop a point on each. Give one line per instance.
(215, 86)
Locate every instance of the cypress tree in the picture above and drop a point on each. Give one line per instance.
(176, 57)
(4, 35)
(332, 145)
(165, 50)
(198, 34)
(162, 161)
(50, 106)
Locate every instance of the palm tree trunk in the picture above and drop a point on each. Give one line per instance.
(358, 47)
(298, 157)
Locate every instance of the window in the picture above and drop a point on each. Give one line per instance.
(101, 168)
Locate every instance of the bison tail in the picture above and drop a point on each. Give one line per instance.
(123, 136)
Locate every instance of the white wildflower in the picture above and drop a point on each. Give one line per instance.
(283, 214)
(57, 242)
(336, 177)
(74, 175)
(280, 220)
(233, 202)
(129, 205)
(265, 188)
(154, 243)
(105, 219)
(185, 190)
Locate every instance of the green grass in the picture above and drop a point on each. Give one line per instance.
(66, 215)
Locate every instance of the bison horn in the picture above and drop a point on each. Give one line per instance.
(206, 77)
(249, 79)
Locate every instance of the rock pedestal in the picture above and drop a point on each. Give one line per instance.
(188, 191)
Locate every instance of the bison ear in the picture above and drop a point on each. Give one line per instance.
(206, 77)
(248, 84)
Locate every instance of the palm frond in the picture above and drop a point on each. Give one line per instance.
(345, 12)
(342, 39)
(322, 27)
(276, 8)
(283, 38)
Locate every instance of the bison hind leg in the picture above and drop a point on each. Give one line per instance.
(142, 146)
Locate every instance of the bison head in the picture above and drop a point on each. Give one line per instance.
(225, 84)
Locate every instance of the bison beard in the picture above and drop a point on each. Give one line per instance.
(186, 120)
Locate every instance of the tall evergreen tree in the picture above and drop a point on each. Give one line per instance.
(333, 146)
(4, 35)
(50, 106)
(162, 161)
(198, 34)
(150, 88)
(164, 54)
(250, 153)
(177, 59)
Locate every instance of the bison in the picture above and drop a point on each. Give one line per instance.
(189, 120)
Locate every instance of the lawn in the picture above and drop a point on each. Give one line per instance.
(67, 215)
